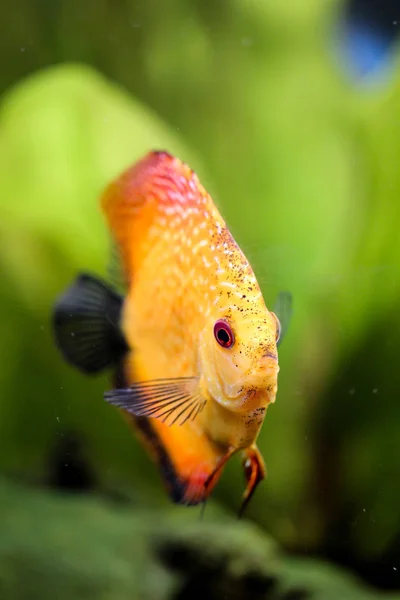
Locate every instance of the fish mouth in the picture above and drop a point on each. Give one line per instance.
(270, 355)
(253, 383)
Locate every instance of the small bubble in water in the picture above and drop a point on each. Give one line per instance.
(22, 49)
(375, 391)
(352, 391)
(58, 419)
(394, 22)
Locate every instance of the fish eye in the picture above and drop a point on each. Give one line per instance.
(223, 334)
(278, 327)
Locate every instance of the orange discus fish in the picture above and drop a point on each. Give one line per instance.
(192, 340)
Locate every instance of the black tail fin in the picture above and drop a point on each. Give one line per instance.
(86, 325)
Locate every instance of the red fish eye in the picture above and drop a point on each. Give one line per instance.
(223, 334)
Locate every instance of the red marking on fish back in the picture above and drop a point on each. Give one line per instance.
(158, 177)
(146, 195)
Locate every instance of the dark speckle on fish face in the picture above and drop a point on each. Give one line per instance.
(256, 416)
(252, 421)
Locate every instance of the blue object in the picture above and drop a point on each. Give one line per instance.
(367, 35)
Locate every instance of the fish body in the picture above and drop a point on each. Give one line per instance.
(196, 344)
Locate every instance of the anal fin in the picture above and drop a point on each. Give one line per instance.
(187, 462)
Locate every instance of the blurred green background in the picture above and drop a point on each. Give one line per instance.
(304, 165)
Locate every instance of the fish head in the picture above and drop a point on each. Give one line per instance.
(239, 357)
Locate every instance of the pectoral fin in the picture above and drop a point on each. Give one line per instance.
(170, 400)
(283, 309)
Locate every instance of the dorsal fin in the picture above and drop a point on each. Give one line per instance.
(153, 185)
(116, 273)
(123, 201)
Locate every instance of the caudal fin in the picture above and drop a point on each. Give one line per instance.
(86, 325)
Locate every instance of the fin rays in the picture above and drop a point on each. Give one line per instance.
(170, 400)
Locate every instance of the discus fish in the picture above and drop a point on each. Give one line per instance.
(191, 338)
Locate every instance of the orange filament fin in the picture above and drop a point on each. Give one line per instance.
(255, 471)
(218, 468)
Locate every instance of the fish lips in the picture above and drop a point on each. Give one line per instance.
(262, 379)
